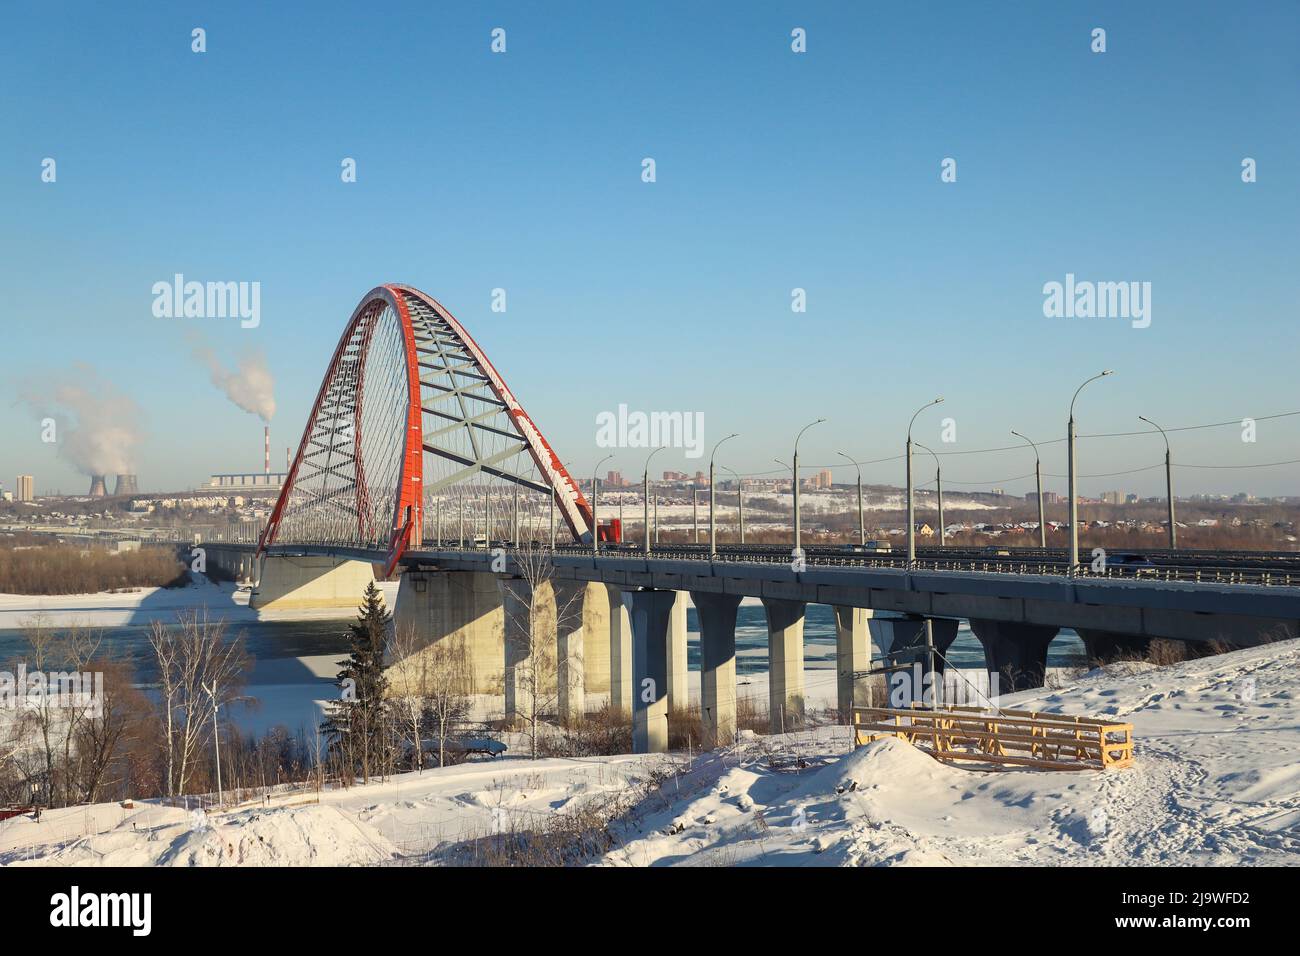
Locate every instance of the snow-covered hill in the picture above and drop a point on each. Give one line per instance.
(1216, 781)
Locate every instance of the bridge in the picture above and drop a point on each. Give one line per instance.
(415, 438)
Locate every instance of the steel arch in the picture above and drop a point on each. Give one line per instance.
(359, 478)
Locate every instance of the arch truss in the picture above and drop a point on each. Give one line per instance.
(411, 431)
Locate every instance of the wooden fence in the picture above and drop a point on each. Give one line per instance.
(1018, 737)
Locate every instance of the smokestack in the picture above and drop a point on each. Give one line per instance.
(98, 487)
(288, 462)
(126, 485)
(266, 437)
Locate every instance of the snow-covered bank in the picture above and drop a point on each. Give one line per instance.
(1216, 782)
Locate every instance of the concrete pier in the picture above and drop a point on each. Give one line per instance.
(296, 581)
(620, 653)
(679, 695)
(852, 659)
(717, 666)
(530, 664)
(785, 663)
(465, 605)
(649, 612)
(570, 681)
(1016, 653)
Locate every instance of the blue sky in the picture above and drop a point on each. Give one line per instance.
(775, 170)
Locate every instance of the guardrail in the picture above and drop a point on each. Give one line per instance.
(1284, 576)
(1010, 737)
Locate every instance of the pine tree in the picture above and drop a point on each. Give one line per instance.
(356, 724)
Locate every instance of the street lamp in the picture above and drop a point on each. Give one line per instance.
(862, 522)
(1038, 480)
(794, 472)
(740, 500)
(938, 484)
(1169, 484)
(645, 491)
(1074, 493)
(595, 502)
(911, 512)
(713, 535)
(216, 737)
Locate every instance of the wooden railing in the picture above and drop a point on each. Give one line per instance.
(1018, 737)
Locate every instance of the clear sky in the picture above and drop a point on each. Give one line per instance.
(775, 170)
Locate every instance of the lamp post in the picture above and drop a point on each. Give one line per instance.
(911, 511)
(645, 489)
(1038, 481)
(794, 472)
(740, 501)
(1169, 484)
(595, 502)
(216, 737)
(713, 531)
(1074, 493)
(862, 521)
(938, 484)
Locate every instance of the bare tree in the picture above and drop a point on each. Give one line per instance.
(532, 608)
(192, 656)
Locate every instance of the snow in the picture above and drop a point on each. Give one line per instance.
(1216, 782)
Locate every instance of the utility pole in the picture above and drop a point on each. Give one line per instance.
(216, 738)
(740, 501)
(862, 521)
(1074, 491)
(794, 472)
(645, 503)
(595, 503)
(911, 510)
(1169, 485)
(938, 484)
(1038, 482)
(713, 534)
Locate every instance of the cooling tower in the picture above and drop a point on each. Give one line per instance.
(126, 485)
(98, 487)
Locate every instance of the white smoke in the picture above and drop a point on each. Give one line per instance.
(97, 427)
(250, 384)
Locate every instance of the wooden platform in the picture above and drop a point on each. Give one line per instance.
(1015, 737)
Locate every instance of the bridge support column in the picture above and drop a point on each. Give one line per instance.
(1102, 647)
(901, 640)
(717, 665)
(530, 664)
(649, 612)
(1016, 653)
(596, 623)
(620, 653)
(570, 601)
(296, 581)
(785, 663)
(679, 694)
(462, 606)
(852, 659)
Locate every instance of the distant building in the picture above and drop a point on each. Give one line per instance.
(248, 481)
(1111, 497)
(615, 479)
(26, 488)
(674, 476)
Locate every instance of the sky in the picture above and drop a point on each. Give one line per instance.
(774, 171)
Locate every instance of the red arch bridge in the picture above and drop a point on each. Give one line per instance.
(413, 429)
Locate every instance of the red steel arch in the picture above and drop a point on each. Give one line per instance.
(408, 383)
